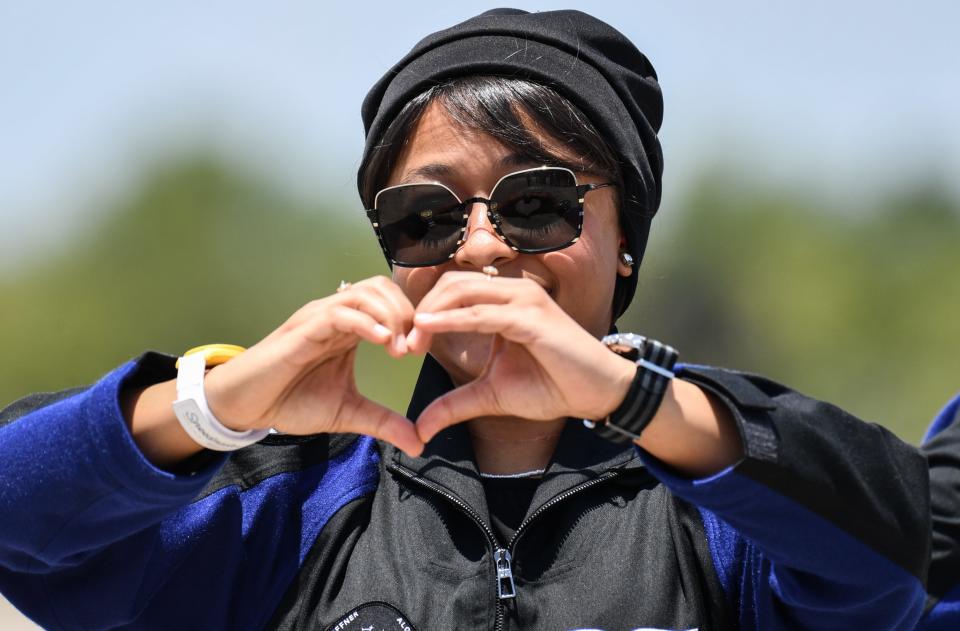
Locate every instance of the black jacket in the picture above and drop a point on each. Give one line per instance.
(942, 448)
(823, 525)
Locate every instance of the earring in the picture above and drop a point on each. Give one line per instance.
(626, 258)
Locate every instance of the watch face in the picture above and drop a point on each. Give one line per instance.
(625, 350)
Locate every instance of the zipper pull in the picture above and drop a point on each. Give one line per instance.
(505, 587)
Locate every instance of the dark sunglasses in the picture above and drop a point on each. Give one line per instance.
(533, 211)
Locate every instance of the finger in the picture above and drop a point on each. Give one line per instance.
(419, 340)
(370, 300)
(469, 401)
(364, 416)
(514, 323)
(394, 309)
(363, 325)
(456, 289)
(335, 330)
(392, 292)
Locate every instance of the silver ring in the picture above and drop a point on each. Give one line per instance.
(490, 271)
(343, 286)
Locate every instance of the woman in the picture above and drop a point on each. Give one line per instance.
(511, 171)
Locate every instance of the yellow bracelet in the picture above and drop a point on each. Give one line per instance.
(215, 354)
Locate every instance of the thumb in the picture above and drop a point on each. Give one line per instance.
(364, 416)
(469, 401)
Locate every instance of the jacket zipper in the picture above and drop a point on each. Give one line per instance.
(503, 557)
(556, 500)
(500, 555)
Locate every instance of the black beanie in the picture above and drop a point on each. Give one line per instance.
(587, 61)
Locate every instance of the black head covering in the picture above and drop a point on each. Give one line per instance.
(586, 60)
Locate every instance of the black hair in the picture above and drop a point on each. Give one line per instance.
(517, 112)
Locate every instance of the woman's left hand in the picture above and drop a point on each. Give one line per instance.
(543, 365)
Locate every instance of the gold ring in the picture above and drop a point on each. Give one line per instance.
(490, 271)
(343, 286)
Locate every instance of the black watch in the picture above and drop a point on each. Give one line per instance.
(655, 362)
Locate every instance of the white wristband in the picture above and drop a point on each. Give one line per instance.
(194, 414)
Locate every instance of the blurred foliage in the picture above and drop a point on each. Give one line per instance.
(197, 253)
(860, 309)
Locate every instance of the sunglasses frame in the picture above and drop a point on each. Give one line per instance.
(492, 215)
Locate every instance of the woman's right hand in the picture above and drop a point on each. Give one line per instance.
(299, 379)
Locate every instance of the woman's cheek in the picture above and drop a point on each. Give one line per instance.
(416, 282)
(586, 279)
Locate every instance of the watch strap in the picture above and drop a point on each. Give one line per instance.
(644, 396)
(194, 414)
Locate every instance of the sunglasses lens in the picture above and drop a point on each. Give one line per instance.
(539, 210)
(420, 224)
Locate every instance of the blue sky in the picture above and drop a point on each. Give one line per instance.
(830, 96)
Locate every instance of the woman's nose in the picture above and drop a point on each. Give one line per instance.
(482, 245)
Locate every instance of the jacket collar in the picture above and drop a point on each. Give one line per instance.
(449, 461)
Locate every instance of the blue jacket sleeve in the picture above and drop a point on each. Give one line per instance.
(942, 448)
(824, 524)
(94, 536)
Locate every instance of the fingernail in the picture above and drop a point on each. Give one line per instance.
(412, 337)
(379, 329)
(400, 343)
(424, 318)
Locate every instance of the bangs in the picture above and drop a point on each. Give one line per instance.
(532, 120)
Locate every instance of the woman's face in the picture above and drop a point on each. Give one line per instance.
(580, 278)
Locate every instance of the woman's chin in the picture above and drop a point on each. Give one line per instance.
(462, 355)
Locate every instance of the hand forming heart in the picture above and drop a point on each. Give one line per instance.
(299, 379)
(542, 365)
